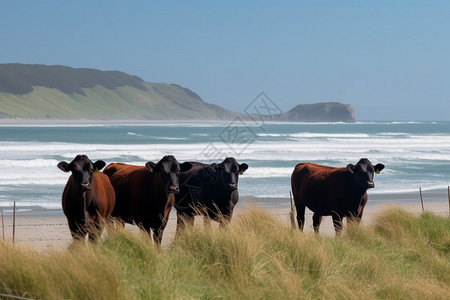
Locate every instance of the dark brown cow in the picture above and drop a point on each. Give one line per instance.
(143, 192)
(339, 192)
(88, 198)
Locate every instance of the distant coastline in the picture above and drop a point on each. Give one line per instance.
(82, 122)
(87, 122)
(43, 92)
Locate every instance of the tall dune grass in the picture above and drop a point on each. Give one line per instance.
(399, 256)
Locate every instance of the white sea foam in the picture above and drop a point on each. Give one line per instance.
(412, 159)
(258, 172)
(45, 205)
(328, 135)
(32, 163)
(134, 134)
(168, 138)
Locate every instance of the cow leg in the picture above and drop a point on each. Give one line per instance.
(317, 219)
(95, 231)
(355, 217)
(300, 215)
(77, 231)
(224, 221)
(158, 232)
(362, 204)
(78, 235)
(358, 217)
(157, 235)
(337, 222)
(94, 227)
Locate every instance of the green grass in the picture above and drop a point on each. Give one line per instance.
(400, 256)
(160, 101)
(64, 93)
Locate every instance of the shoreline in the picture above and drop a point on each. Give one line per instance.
(264, 202)
(49, 232)
(87, 122)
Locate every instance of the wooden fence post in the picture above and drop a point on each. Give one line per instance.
(421, 199)
(14, 222)
(3, 225)
(448, 195)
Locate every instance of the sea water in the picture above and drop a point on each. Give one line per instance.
(415, 154)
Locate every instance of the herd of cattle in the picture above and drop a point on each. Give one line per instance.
(145, 195)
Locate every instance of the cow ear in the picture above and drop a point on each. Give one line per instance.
(242, 168)
(351, 168)
(214, 166)
(64, 166)
(150, 166)
(98, 165)
(378, 168)
(186, 166)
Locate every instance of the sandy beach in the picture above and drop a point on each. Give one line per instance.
(50, 232)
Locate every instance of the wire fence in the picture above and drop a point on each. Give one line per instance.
(48, 231)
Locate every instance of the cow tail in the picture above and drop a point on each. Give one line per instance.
(292, 213)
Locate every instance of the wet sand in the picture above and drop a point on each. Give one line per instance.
(51, 232)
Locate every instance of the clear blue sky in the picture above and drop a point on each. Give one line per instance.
(389, 59)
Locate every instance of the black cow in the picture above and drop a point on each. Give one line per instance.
(210, 190)
(339, 192)
(88, 198)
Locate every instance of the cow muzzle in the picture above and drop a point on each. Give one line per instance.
(370, 184)
(232, 186)
(174, 189)
(85, 186)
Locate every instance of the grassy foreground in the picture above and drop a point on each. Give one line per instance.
(400, 256)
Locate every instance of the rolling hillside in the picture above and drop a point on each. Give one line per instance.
(59, 92)
(44, 92)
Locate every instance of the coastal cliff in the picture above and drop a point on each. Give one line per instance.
(319, 112)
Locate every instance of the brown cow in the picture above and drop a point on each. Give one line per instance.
(339, 192)
(88, 198)
(143, 193)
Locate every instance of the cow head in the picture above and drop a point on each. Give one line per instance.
(363, 172)
(168, 169)
(229, 171)
(82, 169)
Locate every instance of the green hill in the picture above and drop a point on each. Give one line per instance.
(60, 92)
(63, 93)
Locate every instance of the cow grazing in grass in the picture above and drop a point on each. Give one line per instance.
(142, 193)
(339, 192)
(208, 189)
(88, 197)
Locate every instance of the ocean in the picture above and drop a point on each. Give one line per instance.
(415, 154)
